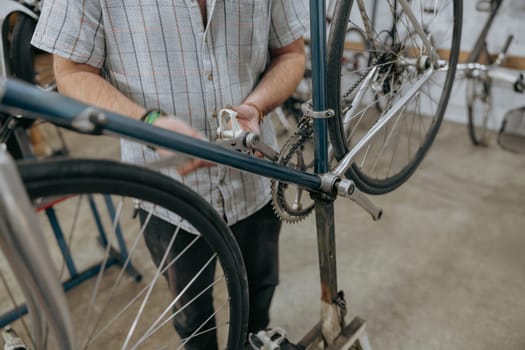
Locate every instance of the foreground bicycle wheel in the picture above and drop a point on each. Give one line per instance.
(411, 88)
(112, 310)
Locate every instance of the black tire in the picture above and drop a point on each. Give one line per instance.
(479, 105)
(66, 177)
(24, 57)
(377, 169)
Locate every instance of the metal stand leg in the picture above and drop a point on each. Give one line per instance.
(116, 257)
(61, 241)
(333, 308)
(353, 336)
(331, 331)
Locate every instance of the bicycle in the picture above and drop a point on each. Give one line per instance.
(481, 69)
(399, 74)
(18, 20)
(18, 58)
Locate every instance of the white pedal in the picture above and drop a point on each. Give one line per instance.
(229, 127)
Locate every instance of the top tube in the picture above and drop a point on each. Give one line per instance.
(22, 98)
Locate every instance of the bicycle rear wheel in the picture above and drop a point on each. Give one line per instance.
(203, 270)
(410, 87)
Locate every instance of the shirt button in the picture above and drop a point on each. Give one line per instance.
(210, 76)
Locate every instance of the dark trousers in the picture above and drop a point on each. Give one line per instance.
(258, 239)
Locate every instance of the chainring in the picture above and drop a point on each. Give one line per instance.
(293, 149)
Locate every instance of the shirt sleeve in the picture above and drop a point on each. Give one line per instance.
(72, 29)
(289, 22)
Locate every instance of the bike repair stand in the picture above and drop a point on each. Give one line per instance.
(331, 330)
(116, 257)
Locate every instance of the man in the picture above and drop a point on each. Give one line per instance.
(188, 58)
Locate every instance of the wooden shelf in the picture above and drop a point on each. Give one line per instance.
(511, 62)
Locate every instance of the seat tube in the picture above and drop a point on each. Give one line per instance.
(331, 315)
(319, 84)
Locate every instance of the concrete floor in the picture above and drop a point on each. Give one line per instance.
(444, 268)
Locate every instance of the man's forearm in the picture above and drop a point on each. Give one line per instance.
(280, 80)
(89, 87)
(92, 89)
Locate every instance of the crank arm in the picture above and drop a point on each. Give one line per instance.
(348, 189)
(253, 141)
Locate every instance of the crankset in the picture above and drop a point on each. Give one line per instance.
(290, 202)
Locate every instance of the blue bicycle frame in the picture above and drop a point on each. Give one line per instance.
(20, 98)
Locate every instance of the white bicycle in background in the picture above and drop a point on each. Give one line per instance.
(481, 69)
(18, 58)
(18, 20)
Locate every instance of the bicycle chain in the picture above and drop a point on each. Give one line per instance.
(362, 76)
(285, 211)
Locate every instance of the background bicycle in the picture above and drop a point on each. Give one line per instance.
(481, 77)
(19, 59)
(491, 67)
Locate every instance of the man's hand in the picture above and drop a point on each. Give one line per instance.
(248, 117)
(177, 125)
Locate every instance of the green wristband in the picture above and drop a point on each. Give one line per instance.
(150, 116)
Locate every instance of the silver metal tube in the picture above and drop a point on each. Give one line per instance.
(419, 30)
(347, 161)
(358, 97)
(501, 75)
(475, 70)
(472, 67)
(23, 244)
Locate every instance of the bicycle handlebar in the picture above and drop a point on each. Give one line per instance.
(475, 70)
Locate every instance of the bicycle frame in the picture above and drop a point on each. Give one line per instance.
(474, 69)
(486, 72)
(21, 98)
(481, 43)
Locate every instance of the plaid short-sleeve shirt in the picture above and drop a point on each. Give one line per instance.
(160, 54)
